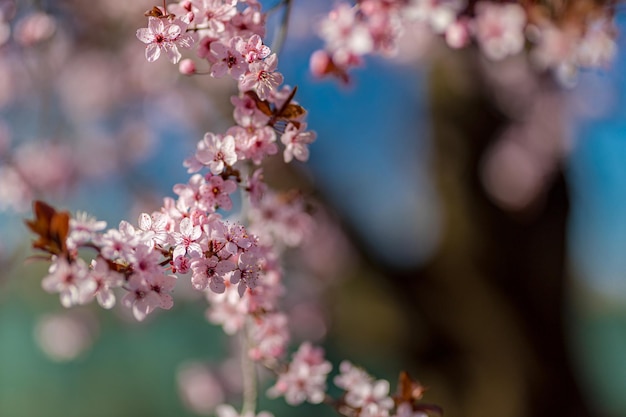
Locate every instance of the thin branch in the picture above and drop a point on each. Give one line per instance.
(249, 375)
(281, 34)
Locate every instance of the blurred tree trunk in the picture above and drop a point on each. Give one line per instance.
(493, 296)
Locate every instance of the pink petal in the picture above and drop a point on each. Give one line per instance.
(155, 25)
(153, 52)
(145, 35)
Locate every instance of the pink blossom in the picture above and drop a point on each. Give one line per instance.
(373, 399)
(83, 229)
(181, 264)
(214, 14)
(270, 336)
(254, 143)
(256, 187)
(321, 64)
(305, 379)
(186, 240)
(226, 59)
(145, 260)
(350, 376)
(499, 29)
(253, 49)
(458, 34)
(295, 140)
(438, 14)
(210, 272)
(184, 8)
(262, 77)
(187, 67)
(232, 239)
(251, 21)
(363, 392)
(118, 243)
(216, 191)
(99, 283)
(280, 220)
(217, 152)
(345, 35)
(597, 47)
(66, 279)
(154, 227)
(247, 272)
(227, 309)
(189, 194)
(34, 28)
(246, 113)
(164, 35)
(140, 298)
(146, 294)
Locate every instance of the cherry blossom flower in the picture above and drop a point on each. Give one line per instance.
(350, 376)
(83, 229)
(147, 294)
(226, 59)
(215, 193)
(270, 335)
(305, 379)
(280, 219)
(247, 272)
(181, 264)
(438, 14)
(247, 114)
(499, 29)
(363, 392)
(210, 272)
(256, 187)
(154, 227)
(163, 35)
(295, 140)
(187, 239)
(216, 152)
(254, 143)
(458, 34)
(66, 279)
(145, 260)
(597, 47)
(373, 399)
(189, 194)
(345, 35)
(227, 309)
(253, 49)
(262, 77)
(118, 243)
(215, 14)
(99, 284)
(251, 21)
(232, 239)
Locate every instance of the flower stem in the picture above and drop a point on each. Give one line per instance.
(249, 376)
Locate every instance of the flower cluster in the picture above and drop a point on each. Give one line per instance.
(229, 40)
(564, 37)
